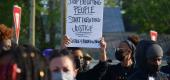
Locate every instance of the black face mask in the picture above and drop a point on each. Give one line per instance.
(153, 68)
(78, 63)
(119, 55)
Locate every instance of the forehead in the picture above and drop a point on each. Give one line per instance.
(78, 53)
(155, 58)
(6, 40)
(61, 62)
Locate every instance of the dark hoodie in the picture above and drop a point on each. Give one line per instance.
(143, 72)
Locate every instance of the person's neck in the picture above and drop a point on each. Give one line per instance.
(127, 63)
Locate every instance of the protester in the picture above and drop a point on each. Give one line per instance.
(166, 69)
(125, 54)
(5, 38)
(148, 60)
(98, 71)
(78, 58)
(87, 61)
(62, 66)
(7, 61)
(31, 62)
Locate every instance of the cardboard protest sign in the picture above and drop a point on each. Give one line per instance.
(17, 20)
(153, 35)
(84, 22)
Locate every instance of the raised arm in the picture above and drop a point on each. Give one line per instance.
(103, 45)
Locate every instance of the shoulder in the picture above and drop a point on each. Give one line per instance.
(114, 67)
(137, 75)
(162, 74)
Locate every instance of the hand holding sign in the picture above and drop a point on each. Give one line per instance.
(17, 20)
(153, 35)
(66, 41)
(103, 45)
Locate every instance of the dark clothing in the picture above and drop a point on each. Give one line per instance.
(117, 72)
(6, 65)
(148, 50)
(93, 74)
(166, 69)
(142, 75)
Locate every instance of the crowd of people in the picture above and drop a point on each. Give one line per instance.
(139, 60)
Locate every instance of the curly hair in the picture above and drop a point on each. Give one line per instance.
(134, 39)
(5, 32)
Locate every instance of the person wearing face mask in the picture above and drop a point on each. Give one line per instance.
(61, 66)
(166, 69)
(6, 53)
(125, 54)
(78, 58)
(87, 61)
(78, 55)
(148, 60)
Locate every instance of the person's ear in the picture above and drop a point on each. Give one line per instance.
(129, 51)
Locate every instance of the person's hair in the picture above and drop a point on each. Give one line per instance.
(132, 42)
(59, 53)
(5, 32)
(75, 48)
(26, 48)
(134, 39)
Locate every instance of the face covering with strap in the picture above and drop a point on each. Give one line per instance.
(62, 76)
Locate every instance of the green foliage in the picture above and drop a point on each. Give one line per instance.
(148, 14)
(53, 21)
(6, 16)
(110, 3)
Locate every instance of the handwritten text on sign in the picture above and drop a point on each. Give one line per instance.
(84, 22)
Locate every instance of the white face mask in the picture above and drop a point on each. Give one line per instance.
(62, 76)
(6, 44)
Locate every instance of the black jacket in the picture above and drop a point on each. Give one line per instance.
(142, 75)
(117, 72)
(93, 74)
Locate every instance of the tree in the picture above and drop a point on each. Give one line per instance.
(6, 9)
(148, 15)
(53, 20)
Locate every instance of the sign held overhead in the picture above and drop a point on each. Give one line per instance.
(84, 22)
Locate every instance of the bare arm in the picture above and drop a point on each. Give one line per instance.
(103, 56)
